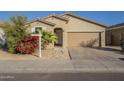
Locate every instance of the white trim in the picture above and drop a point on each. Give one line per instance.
(40, 36)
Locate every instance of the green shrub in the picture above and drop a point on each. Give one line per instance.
(15, 31)
(48, 37)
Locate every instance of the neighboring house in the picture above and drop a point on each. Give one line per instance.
(71, 30)
(114, 34)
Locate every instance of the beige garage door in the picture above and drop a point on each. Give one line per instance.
(83, 39)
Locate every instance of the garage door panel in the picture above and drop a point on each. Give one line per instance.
(83, 39)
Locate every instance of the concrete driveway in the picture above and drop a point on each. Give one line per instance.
(97, 60)
(105, 54)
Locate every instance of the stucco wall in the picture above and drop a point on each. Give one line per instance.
(77, 25)
(108, 37)
(31, 26)
(103, 40)
(58, 22)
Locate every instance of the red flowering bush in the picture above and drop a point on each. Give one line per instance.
(28, 45)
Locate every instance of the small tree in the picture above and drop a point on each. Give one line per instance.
(15, 31)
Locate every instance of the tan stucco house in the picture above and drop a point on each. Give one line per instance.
(71, 30)
(114, 34)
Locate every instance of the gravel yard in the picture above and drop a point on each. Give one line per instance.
(56, 53)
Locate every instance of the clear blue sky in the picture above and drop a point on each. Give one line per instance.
(105, 17)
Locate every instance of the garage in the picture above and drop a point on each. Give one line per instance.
(89, 39)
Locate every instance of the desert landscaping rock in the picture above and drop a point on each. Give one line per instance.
(48, 54)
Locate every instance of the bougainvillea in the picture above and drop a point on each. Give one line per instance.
(28, 45)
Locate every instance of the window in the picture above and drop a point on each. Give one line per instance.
(37, 29)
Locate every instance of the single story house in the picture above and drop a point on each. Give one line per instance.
(71, 30)
(114, 34)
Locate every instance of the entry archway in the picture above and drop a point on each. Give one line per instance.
(59, 33)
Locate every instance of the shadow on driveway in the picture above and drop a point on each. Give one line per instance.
(115, 49)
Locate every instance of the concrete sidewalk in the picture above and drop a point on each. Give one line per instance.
(58, 66)
(36, 66)
(59, 70)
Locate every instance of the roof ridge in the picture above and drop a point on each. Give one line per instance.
(83, 18)
(119, 24)
(116, 26)
(54, 15)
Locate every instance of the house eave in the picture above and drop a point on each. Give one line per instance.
(42, 21)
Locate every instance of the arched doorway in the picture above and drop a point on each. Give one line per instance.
(59, 33)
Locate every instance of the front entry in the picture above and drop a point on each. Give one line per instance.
(59, 33)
